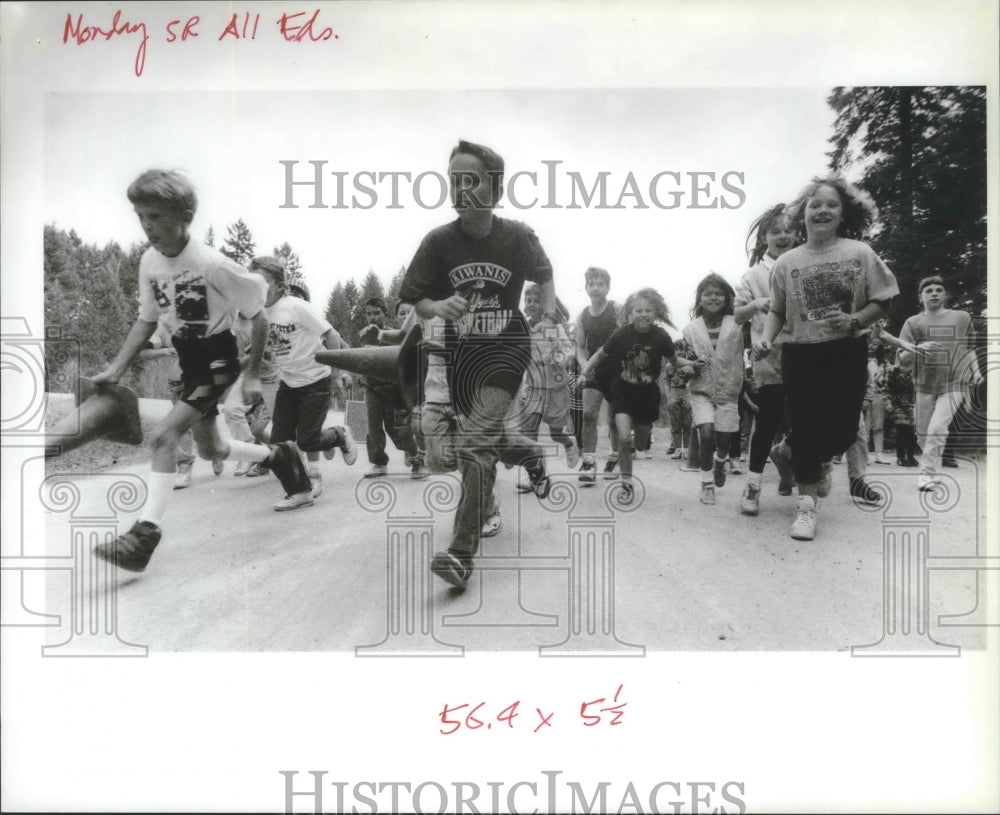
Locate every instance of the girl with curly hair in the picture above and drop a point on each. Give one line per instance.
(824, 294)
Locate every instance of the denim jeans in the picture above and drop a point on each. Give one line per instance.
(483, 439)
(299, 414)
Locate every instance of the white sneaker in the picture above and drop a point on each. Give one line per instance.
(218, 465)
(572, 455)
(492, 525)
(183, 479)
(882, 459)
(316, 479)
(647, 454)
(241, 468)
(926, 483)
(301, 499)
(376, 470)
(804, 525)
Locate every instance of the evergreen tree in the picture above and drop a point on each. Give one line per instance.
(921, 153)
(239, 244)
(210, 236)
(293, 264)
(338, 313)
(392, 297)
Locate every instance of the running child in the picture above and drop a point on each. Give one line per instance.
(196, 290)
(824, 294)
(717, 341)
(944, 367)
(636, 352)
(593, 327)
(772, 235)
(470, 273)
(296, 331)
(544, 395)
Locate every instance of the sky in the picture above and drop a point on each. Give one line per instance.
(685, 172)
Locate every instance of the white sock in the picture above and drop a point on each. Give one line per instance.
(716, 457)
(246, 451)
(755, 478)
(161, 487)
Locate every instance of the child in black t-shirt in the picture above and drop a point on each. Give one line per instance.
(636, 350)
(470, 273)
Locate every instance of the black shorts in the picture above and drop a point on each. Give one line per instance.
(209, 366)
(641, 402)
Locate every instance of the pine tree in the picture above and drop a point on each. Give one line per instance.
(210, 236)
(293, 264)
(921, 154)
(239, 244)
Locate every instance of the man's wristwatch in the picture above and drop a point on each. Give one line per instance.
(855, 325)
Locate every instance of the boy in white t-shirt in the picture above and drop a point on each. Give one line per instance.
(196, 291)
(296, 331)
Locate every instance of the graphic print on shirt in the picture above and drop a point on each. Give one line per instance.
(635, 366)
(279, 339)
(190, 303)
(825, 288)
(481, 285)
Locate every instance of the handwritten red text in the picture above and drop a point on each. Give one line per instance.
(81, 33)
(295, 31)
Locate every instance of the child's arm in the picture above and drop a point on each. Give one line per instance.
(599, 356)
(135, 341)
(394, 336)
(547, 294)
(773, 324)
(581, 343)
(258, 340)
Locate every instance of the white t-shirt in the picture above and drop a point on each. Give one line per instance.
(436, 379)
(196, 293)
(295, 331)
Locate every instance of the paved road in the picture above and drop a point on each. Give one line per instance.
(567, 576)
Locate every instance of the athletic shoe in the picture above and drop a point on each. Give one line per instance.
(838, 459)
(609, 469)
(241, 468)
(183, 478)
(524, 486)
(349, 448)
(647, 454)
(902, 462)
(671, 451)
(719, 472)
(258, 468)
(911, 462)
(572, 455)
(677, 455)
(949, 461)
(750, 500)
(588, 472)
(419, 471)
(882, 459)
(540, 483)
(864, 494)
(451, 568)
(316, 479)
(707, 492)
(781, 458)
(301, 499)
(804, 525)
(132, 550)
(928, 482)
(689, 468)
(329, 454)
(492, 525)
(735, 467)
(218, 465)
(377, 470)
(627, 494)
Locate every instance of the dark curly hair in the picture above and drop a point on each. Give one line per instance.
(660, 310)
(859, 209)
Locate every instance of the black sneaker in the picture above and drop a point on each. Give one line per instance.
(609, 468)
(132, 550)
(719, 471)
(627, 494)
(949, 461)
(286, 463)
(864, 494)
(588, 472)
(540, 483)
(452, 568)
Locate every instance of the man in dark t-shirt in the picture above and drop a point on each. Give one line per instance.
(470, 273)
